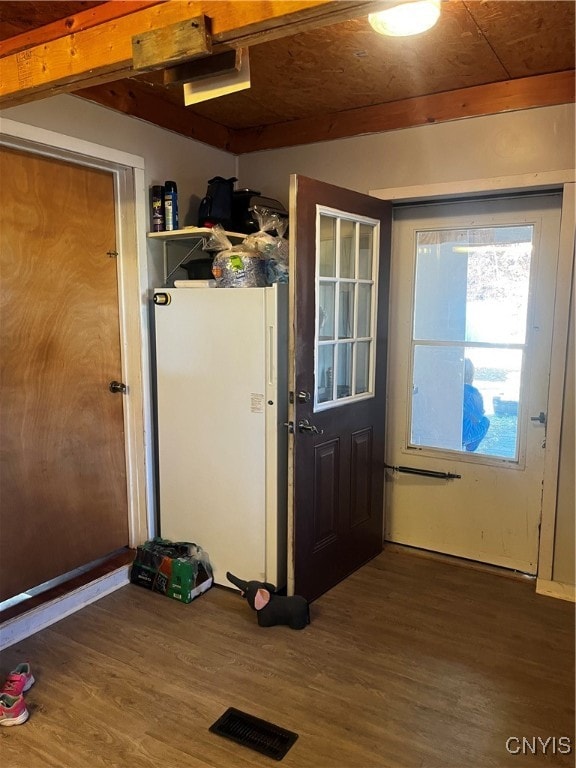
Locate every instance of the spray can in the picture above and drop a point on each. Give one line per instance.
(157, 219)
(170, 205)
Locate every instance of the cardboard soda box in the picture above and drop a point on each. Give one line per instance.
(179, 569)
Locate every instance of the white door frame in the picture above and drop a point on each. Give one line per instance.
(562, 180)
(130, 201)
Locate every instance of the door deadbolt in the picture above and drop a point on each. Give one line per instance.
(117, 386)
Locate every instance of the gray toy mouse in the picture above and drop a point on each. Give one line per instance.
(271, 608)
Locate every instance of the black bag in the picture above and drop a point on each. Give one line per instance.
(216, 207)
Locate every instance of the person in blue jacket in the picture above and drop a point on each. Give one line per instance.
(474, 423)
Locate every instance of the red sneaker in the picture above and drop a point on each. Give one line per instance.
(12, 710)
(18, 681)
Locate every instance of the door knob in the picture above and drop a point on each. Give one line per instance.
(541, 418)
(305, 426)
(117, 386)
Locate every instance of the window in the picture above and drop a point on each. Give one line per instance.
(469, 338)
(346, 304)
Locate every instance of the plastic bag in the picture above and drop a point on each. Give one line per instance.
(178, 569)
(235, 266)
(273, 248)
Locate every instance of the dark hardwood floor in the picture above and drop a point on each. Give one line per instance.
(408, 663)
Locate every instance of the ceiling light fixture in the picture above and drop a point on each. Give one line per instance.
(406, 18)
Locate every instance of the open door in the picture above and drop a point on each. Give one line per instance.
(340, 256)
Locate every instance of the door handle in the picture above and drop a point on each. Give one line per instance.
(117, 386)
(541, 418)
(305, 426)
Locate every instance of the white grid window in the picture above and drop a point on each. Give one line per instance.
(346, 270)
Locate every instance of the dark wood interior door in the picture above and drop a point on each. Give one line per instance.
(62, 461)
(340, 304)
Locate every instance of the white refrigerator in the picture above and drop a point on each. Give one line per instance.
(221, 383)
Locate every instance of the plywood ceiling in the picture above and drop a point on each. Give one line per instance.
(344, 79)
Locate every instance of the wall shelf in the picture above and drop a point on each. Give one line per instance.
(180, 246)
(191, 233)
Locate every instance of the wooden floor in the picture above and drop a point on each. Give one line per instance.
(409, 662)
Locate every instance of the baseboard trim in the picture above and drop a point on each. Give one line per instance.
(20, 627)
(556, 589)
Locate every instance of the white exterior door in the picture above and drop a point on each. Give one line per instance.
(472, 298)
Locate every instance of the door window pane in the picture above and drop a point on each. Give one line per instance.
(472, 284)
(326, 310)
(497, 290)
(347, 248)
(365, 252)
(437, 397)
(364, 309)
(346, 311)
(440, 293)
(325, 373)
(496, 374)
(362, 366)
(327, 246)
(344, 380)
(466, 399)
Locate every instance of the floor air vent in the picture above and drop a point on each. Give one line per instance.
(260, 735)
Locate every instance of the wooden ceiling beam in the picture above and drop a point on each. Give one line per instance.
(72, 24)
(510, 95)
(103, 53)
(125, 96)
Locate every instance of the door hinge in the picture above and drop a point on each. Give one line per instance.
(112, 254)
